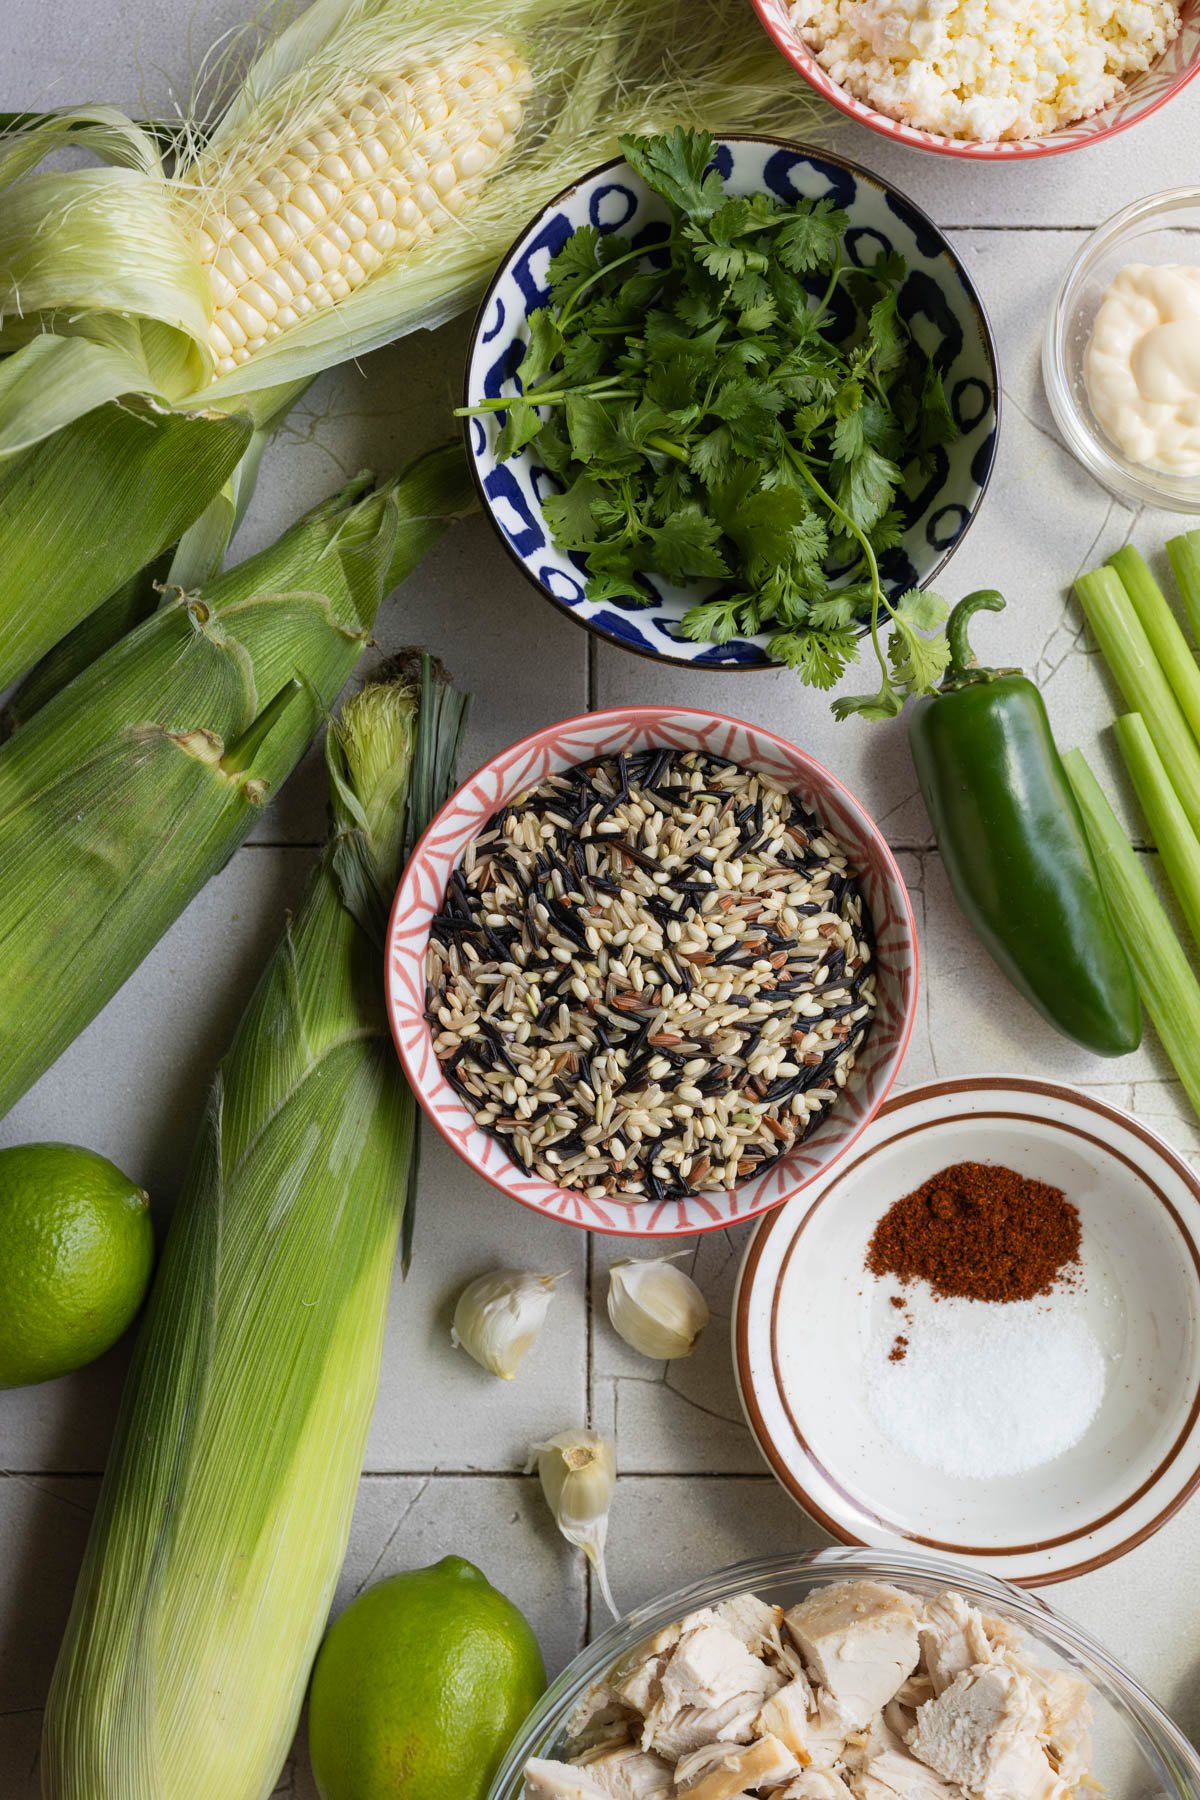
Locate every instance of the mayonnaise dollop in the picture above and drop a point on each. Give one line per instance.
(1142, 366)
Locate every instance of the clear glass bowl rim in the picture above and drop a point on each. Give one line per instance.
(1166, 1751)
(1085, 444)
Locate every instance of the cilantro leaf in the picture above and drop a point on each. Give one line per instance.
(866, 485)
(677, 167)
(605, 585)
(599, 431)
(819, 657)
(543, 350)
(886, 333)
(570, 514)
(812, 237)
(521, 426)
(686, 546)
(937, 421)
(918, 660)
(712, 621)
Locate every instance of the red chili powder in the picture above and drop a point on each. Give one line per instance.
(978, 1231)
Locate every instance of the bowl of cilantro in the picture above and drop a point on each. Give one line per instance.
(734, 403)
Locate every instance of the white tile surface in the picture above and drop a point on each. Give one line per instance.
(447, 1442)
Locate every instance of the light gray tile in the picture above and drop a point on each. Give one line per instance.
(1083, 187)
(437, 1408)
(665, 1533)
(680, 1416)
(44, 1524)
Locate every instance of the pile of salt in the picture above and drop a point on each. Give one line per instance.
(985, 1390)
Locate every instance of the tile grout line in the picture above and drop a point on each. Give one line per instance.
(442, 1473)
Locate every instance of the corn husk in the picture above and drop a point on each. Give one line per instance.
(114, 248)
(126, 607)
(226, 1505)
(83, 512)
(133, 785)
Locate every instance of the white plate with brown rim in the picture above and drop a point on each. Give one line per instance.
(807, 1321)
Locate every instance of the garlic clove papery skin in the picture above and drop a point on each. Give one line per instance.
(656, 1308)
(499, 1315)
(578, 1473)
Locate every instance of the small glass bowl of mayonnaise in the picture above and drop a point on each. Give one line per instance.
(1121, 354)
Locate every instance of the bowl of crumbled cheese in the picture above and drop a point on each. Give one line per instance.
(1001, 1290)
(826, 1674)
(990, 78)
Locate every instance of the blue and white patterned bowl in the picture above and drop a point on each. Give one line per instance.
(938, 298)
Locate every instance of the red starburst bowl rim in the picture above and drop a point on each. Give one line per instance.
(1144, 95)
(575, 740)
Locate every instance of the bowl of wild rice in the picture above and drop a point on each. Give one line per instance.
(651, 970)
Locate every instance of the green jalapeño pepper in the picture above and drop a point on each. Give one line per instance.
(1014, 845)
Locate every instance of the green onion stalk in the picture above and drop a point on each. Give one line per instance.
(225, 1510)
(133, 785)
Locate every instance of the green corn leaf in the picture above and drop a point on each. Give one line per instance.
(88, 508)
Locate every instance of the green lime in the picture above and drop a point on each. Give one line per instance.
(420, 1686)
(76, 1249)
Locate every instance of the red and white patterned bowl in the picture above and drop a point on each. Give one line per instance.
(628, 729)
(1143, 95)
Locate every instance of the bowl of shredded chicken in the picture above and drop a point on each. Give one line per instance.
(848, 1677)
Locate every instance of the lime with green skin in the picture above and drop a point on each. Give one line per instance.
(420, 1687)
(76, 1250)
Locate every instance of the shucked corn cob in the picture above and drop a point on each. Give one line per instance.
(131, 787)
(386, 166)
(226, 1504)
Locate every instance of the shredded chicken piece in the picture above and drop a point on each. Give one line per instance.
(859, 1641)
(815, 1784)
(983, 1733)
(629, 1773)
(723, 1771)
(545, 1780)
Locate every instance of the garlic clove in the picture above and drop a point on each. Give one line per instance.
(578, 1473)
(499, 1315)
(655, 1307)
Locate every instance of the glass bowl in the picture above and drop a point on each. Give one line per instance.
(1163, 228)
(1140, 1754)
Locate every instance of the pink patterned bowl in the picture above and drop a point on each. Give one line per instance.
(1143, 95)
(628, 729)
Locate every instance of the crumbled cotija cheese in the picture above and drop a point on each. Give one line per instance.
(986, 69)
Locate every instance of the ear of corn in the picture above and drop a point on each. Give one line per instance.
(133, 785)
(371, 170)
(82, 512)
(226, 1506)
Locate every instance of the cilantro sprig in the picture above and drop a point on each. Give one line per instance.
(735, 400)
